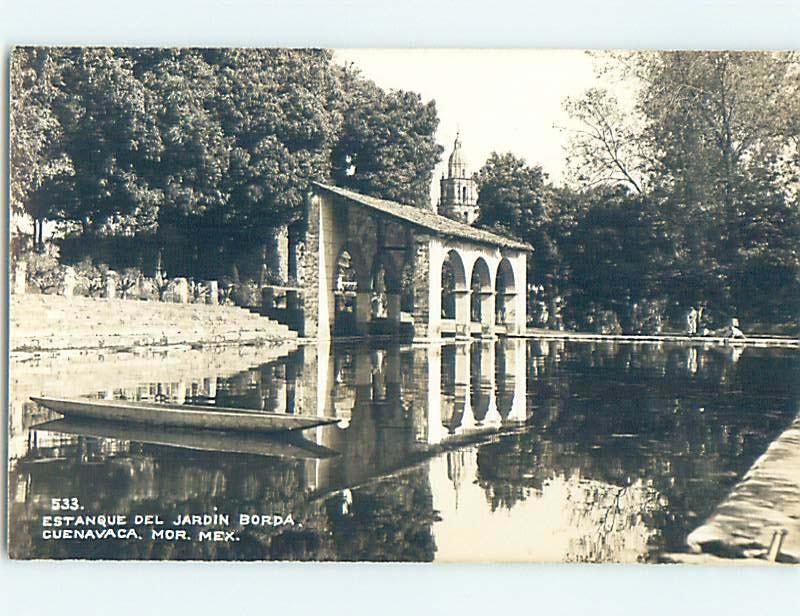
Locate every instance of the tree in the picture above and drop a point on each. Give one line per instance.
(37, 159)
(713, 146)
(606, 148)
(202, 153)
(510, 196)
(282, 109)
(110, 138)
(387, 147)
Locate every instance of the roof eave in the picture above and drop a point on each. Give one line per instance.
(517, 245)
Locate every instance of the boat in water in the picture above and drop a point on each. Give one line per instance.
(291, 446)
(182, 415)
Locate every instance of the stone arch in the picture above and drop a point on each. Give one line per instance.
(505, 290)
(481, 288)
(454, 287)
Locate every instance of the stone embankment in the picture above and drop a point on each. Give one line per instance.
(750, 340)
(761, 516)
(51, 322)
(759, 521)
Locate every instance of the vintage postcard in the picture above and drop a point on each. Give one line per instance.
(404, 305)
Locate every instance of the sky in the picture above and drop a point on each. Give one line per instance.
(499, 100)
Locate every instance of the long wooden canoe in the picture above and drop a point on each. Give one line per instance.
(293, 446)
(182, 415)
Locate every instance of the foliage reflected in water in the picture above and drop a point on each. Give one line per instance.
(626, 449)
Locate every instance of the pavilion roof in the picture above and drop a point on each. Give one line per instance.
(427, 219)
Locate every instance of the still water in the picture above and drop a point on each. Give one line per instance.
(509, 450)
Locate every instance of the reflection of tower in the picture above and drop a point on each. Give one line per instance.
(458, 192)
(455, 470)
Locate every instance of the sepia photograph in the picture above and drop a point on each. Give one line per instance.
(404, 305)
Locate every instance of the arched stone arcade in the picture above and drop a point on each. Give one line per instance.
(413, 271)
(489, 303)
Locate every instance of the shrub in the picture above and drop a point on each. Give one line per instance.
(129, 280)
(647, 316)
(608, 322)
(161, 285)
(90, 278)
(246, 293)
(44, 273)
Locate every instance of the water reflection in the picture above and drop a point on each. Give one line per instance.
(545, 450)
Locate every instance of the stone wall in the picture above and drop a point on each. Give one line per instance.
(311, 266)
(50, 322)
(334, 225)
(421, 285)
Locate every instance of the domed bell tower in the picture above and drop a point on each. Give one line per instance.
(459, 194)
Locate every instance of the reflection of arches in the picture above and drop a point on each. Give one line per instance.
(453, 284)
(480, 384)
(343, 392)
(504, 377)
(480, 285)
(453, 386)
(504, 293)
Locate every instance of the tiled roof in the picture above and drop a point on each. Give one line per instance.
(440, 225)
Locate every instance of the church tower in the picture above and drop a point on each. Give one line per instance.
(459, 194)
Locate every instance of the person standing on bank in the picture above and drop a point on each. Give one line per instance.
(691, 321)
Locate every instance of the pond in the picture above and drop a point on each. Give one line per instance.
(508, 450)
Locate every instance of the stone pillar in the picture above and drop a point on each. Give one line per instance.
(509, 301)
(319, 268)
(426, 320)
(487, 313)
(278, 253)
(111, 285)
(463, 320)
(267, 300)
(210, 386)
(20, 278)
(70, 281)
(181, 290)
(180, 392)
(519, 267)
(213, 292)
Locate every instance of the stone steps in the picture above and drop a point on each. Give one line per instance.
(49, 322)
